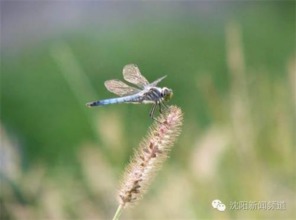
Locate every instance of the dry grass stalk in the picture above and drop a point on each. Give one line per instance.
(152, 152)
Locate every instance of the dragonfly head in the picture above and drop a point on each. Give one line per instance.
(167, 93)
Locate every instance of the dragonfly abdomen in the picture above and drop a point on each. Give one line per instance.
(126, 99)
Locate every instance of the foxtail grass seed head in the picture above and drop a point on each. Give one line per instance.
(148, 158)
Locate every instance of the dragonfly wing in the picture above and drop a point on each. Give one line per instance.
(132, 74)
(157, 81)
(120, 88)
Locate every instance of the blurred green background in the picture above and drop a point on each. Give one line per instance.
(231, 66)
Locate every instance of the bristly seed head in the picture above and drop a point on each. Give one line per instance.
(150, 155)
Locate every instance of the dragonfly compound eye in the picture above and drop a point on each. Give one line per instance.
(167, 94)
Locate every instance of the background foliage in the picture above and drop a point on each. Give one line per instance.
(232, 69)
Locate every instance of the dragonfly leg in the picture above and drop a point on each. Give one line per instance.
(160, 109)
(161, 106)
(165, 105)
(151, 114)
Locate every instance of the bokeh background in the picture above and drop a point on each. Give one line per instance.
(231, 66)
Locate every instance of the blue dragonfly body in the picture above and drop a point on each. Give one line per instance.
(144, 92)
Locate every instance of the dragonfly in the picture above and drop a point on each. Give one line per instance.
(142, 92)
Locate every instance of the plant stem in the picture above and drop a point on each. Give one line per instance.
(117, 213)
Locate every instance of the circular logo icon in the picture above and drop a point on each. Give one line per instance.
(217, 204)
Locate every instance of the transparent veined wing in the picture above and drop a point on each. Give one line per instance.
(120, 88)
(132, 74)
(157, 81)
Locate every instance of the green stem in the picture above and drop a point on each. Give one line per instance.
(117, 213)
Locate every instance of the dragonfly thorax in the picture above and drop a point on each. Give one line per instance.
(166, 93)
